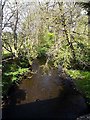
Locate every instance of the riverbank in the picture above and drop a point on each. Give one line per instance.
(45, 95)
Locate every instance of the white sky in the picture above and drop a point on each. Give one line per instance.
(25, 1)
(50, 0)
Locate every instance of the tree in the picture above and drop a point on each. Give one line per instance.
(0, 30)
(10, 25)
(51, 29)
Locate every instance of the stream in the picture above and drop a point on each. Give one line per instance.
(44, 95)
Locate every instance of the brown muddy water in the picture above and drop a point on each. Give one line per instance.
(43, 95)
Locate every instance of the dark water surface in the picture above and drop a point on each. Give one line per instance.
(44, 95)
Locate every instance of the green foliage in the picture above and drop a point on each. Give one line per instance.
(17, 73)
(11, 73)
(46, 42)
(6, 54)
(8, 37)
(63, 57)
(82, 79)
(42, 51)
(69, 34)
(49, 38)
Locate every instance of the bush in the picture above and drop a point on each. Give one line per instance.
(11, 73)
(82, 80)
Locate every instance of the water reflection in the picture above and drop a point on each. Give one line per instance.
(44, 94)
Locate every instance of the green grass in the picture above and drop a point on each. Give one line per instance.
(82, 79)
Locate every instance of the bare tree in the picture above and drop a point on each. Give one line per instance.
(10, 23)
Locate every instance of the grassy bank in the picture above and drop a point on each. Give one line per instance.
(82, 80)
